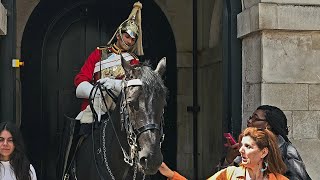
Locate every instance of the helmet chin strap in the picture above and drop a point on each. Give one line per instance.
(124, 43)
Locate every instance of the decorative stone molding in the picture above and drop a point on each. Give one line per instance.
(266, 16)
(248, 3)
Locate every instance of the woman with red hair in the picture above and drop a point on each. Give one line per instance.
(260, 158)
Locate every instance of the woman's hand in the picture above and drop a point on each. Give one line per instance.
(166, 171)
(232, 152)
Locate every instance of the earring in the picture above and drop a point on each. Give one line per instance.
(265, 166)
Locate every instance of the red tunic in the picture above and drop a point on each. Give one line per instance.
(86, 72)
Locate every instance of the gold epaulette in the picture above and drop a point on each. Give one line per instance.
(102, 47)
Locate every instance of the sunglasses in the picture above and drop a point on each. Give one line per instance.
(255, 118)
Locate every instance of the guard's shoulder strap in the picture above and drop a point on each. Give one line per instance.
(134, 55)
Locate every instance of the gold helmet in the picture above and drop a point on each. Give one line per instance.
(132, 26)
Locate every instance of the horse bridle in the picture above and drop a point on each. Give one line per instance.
(132, 133)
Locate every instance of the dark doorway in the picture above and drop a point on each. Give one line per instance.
(57, 39)
(232, 97)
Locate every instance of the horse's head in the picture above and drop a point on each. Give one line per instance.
(144, 98)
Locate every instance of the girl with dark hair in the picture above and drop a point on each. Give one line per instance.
(272, 118)
(260, 158)
(14, 164)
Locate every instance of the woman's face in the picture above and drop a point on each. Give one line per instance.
(258, 119)
(252, 156)
(6, 145)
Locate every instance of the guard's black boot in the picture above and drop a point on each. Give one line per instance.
(66, 150)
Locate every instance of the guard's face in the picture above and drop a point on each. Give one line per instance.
(251, 155)
(6, 145)
(126, 43)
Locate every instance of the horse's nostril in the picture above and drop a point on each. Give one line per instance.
(143, 161)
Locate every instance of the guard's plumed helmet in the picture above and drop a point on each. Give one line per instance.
(132, 26)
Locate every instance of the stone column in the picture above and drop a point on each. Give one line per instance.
(281, 67)
(3, 20)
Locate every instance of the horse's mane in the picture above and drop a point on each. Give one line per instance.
(152, 81)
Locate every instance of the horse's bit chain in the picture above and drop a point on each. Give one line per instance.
(135, 172)
(127, 125)
(105, 149)
(125, 158)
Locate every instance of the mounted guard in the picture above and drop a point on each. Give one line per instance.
(104, 65)
(122, 111)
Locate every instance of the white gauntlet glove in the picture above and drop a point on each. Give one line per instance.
(83, 90)
(113, 84)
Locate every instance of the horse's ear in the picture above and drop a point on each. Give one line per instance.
(126, 66)
(161, 67)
